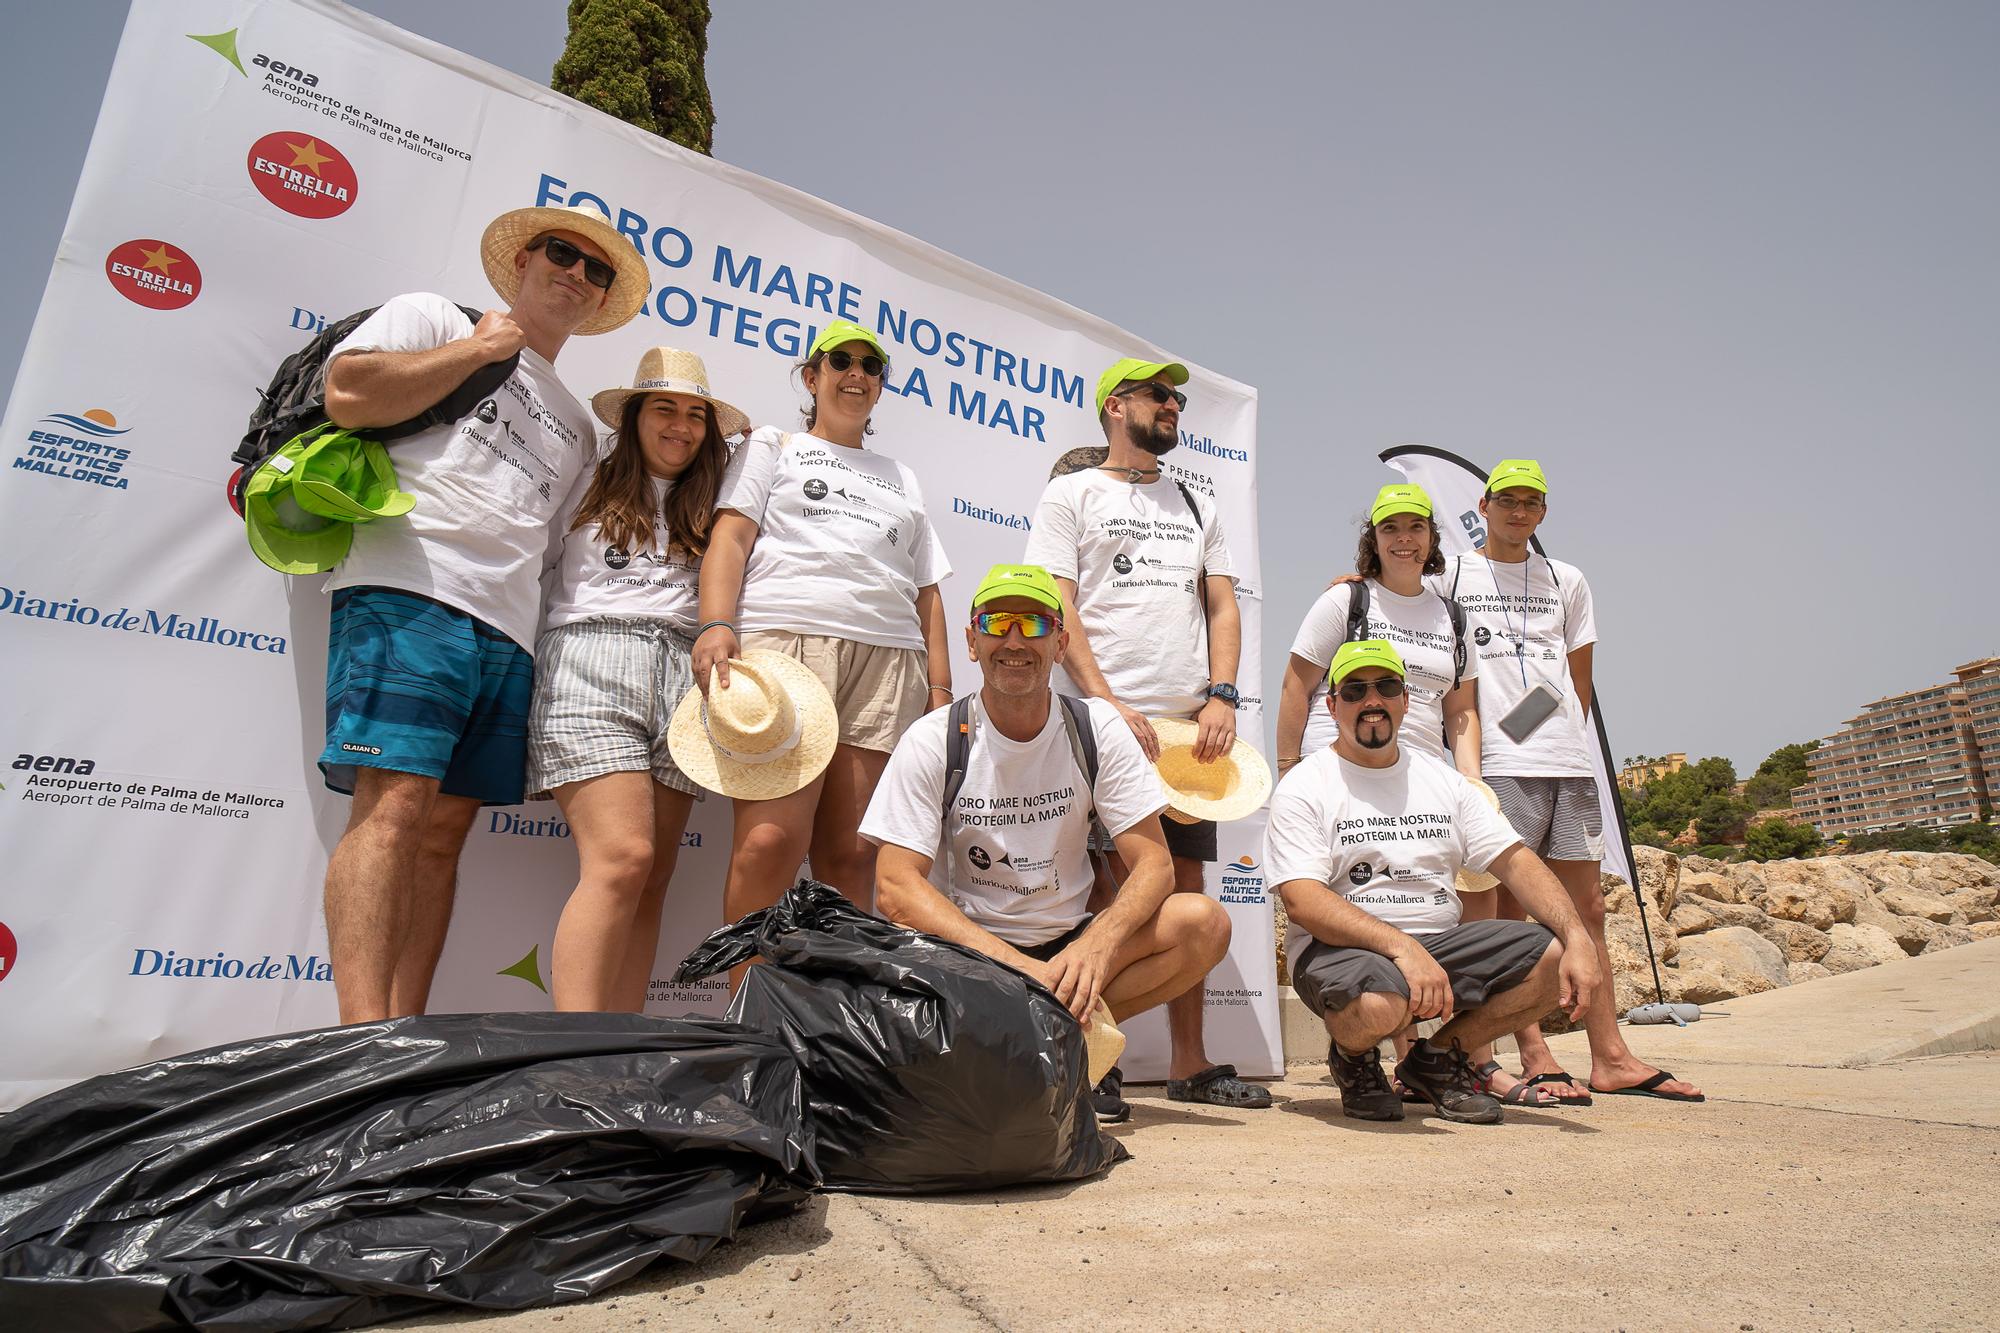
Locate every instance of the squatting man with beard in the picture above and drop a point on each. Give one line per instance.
(987, 842)
(1149, 598)
(1365, 840)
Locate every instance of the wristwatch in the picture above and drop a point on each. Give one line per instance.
(1227, 693)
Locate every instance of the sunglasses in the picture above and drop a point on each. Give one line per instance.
(564, 256)
(1031, 624)
(1156, 391)
(871, 366)
(1509, 504)
(1354, 691)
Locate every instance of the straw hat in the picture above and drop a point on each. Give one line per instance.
(1103, 1043)
(1229, 788)
(1478, 881)
(769, 734)
(670, 370)
(509, 233)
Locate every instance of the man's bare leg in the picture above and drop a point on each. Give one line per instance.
(1168, 955)
(1186, 1011)
(368, 888)
(1532, 997)
(434, 884)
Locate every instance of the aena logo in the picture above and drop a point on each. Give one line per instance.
(156, 274)
(224, 45)
(303, 175)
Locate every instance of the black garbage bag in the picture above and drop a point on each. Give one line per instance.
(928, 1067)
(347, 1175)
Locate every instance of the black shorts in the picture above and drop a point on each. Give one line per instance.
(1046, 951)
(1482, 959)
(1195, 842)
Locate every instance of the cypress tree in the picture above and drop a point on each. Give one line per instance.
(643, 61)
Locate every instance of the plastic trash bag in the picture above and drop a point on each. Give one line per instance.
(348, 1175)
(928, 1067)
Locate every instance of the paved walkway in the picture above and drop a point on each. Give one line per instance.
(1844, 1174)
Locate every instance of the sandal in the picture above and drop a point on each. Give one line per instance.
(1557, 1076)
(1523, 1093)
(1218, 1085)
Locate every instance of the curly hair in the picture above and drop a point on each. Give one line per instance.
(620, 497)
(1368, 561)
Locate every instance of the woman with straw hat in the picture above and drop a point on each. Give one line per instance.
(823, 552)
(613, 658)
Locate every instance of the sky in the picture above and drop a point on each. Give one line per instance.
(1731, 272)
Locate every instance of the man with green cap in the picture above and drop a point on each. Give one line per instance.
(984, 834)
(1150, 595)
(1364, 843)
(1534, 630)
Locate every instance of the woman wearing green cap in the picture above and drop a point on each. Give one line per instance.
(823, 551)
(613, 661)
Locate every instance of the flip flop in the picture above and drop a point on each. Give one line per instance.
(1574, 1099)
(1649, 1088)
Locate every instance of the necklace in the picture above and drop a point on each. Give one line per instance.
(1132, 474)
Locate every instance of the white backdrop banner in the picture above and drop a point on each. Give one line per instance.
(258, 169)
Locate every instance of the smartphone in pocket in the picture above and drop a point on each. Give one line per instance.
(1535, 708)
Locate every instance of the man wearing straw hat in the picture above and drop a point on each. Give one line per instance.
(994, 853)
(429, 662)
(1149, 592)
(1364, 841)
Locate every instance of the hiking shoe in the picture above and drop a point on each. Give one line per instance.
(1448, 1082)
(1365, 1093)
(1111, 1108)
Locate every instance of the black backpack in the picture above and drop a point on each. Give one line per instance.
(295, 400)
(1357, 625)
(1082, 747)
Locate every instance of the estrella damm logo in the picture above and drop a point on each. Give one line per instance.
(156, 274)
(303, 174)
(9, 951)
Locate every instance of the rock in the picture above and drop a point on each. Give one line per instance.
(1985, 930)
(1915, 902)
(1701, 865)
(1716, 888)
(1856, 947)
(1805, 972)
(1798, 942)
(1659, 879)
(1736, 959)
(1949, 937)
(1911, 933)
(1706, 914)
(1823, 872)
(1631, 971)
(1975, 905)
(1812, 905)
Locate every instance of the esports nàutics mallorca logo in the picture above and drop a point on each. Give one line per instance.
(156, 274)
(72, 446)
(303, 174)
(1243, 881)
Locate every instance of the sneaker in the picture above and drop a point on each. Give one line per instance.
(1365, 1093)
(1448, 1082)
(1104, 1099)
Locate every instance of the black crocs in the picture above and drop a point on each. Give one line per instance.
(1218, 1085)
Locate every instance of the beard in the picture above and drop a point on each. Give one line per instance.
(1373, 732)
(1148, 437)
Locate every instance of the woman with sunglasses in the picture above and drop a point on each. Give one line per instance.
(823, 551)
(613, 661)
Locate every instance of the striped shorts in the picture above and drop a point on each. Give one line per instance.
(605, 692)
(1558, 819)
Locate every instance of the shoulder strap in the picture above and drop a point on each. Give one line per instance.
(1200, 545)
(1083, 748)
(1357, 611)
(957, 748)
(1457, 568)
(1188, 495)
(477, 387)
(1457, 613)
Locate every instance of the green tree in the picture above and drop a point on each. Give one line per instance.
(1702, 792)
(1774, 839)
(1770, 788)
(643, 61)
(1979, 839)
(1898, 840)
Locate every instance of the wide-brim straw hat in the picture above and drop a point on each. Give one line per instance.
(1478, 881)
(507, 235)
(1103, 1043)
(670, 370)
(769, 734)
(1227, 788)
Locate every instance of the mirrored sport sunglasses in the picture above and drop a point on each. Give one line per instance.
(1031, 624)
(564, 256)
(871, 366)
(1156, 391)
(1354, 691)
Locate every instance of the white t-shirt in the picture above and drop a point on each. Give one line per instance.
(843, 540)
(1134, 553)
(1389, 840)
(1420, 629)
(487, 486)
(1018, 861)
(592, 578)
(1524, 624)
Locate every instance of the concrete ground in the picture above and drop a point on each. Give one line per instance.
(1845, 1173)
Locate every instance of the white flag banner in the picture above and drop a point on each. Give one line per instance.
(259, 168)
(1455, 486)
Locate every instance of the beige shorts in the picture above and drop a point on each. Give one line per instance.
(877, 692)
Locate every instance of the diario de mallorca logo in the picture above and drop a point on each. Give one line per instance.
(78, 447)
(207, 630)
(10, 949)
(156, 274)
(1243, 881)
(221, 966)
(302, 174)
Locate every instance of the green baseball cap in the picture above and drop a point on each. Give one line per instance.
(1358, 653)
(301, 504)
(847, 331)
(1517, 472)
(1030, 581)
(1132, 368)
(1400, 498)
